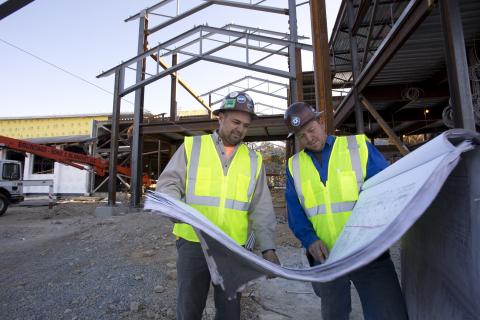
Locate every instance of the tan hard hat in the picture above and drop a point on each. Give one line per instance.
(237, 101)
(297, 115)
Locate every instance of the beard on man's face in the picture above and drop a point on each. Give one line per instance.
(233, 137)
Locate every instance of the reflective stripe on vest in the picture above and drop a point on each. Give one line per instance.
(336, 207)
(223, 198)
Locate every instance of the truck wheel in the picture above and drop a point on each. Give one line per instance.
(3, 204)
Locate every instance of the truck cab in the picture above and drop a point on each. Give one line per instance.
(11, 186)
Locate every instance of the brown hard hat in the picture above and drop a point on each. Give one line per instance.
(237, 101)
(297, 115)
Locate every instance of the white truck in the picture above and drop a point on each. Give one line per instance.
(11, 184)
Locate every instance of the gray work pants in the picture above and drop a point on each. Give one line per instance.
(193, 283)
(376, 284)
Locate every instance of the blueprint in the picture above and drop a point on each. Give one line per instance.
(388, 205)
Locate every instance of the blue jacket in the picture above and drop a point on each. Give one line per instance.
(297, 220)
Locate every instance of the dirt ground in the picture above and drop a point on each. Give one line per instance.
(66, 263)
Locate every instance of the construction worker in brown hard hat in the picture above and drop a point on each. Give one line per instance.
(323, 184)
(227, 184)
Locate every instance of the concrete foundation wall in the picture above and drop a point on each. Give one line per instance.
(441, 253)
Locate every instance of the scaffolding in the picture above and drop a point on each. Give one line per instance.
(255, 47)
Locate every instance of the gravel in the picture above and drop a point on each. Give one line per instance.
(66, 263)
(90, 268)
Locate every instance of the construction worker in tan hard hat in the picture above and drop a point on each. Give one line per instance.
(323, 183)
(227, 184)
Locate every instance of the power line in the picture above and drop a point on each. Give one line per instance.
(60, 68)
(70, 73)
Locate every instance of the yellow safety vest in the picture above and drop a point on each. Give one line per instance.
(328, 206)
(223, 199)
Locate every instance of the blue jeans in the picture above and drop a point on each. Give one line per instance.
(376, 284)
(193, 283)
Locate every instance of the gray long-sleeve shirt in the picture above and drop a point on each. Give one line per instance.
(261, 213)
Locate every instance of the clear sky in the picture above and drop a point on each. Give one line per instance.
(85, 37)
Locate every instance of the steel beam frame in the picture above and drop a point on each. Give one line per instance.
(208, 124)
(369, 34)
(250, 88)
(361, 12)
(457, 66)
(206, 4)
(10, 6)
(272, 33)
(241, 38)
(256, 91)
(355, 66)
(292, 53)
(415, 12)
(112, 169)
(173, 90)
(198, 29)
(162, 63)
(391, 134)
(283, 85)
(136, 164)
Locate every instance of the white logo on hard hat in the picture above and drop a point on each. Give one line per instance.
(295, 121)
(233, 94)
(241, 99)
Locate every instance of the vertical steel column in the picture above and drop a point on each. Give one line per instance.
(159, 159)
(299, 73)
(457, 67)
(112, 169)
(173, 91)
(292, 59)
(355, 67)
(136, 159)
(93, 152)
(321, 63)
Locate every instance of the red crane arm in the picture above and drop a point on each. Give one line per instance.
(77, 160)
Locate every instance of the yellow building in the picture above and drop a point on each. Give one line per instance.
(53, 126)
